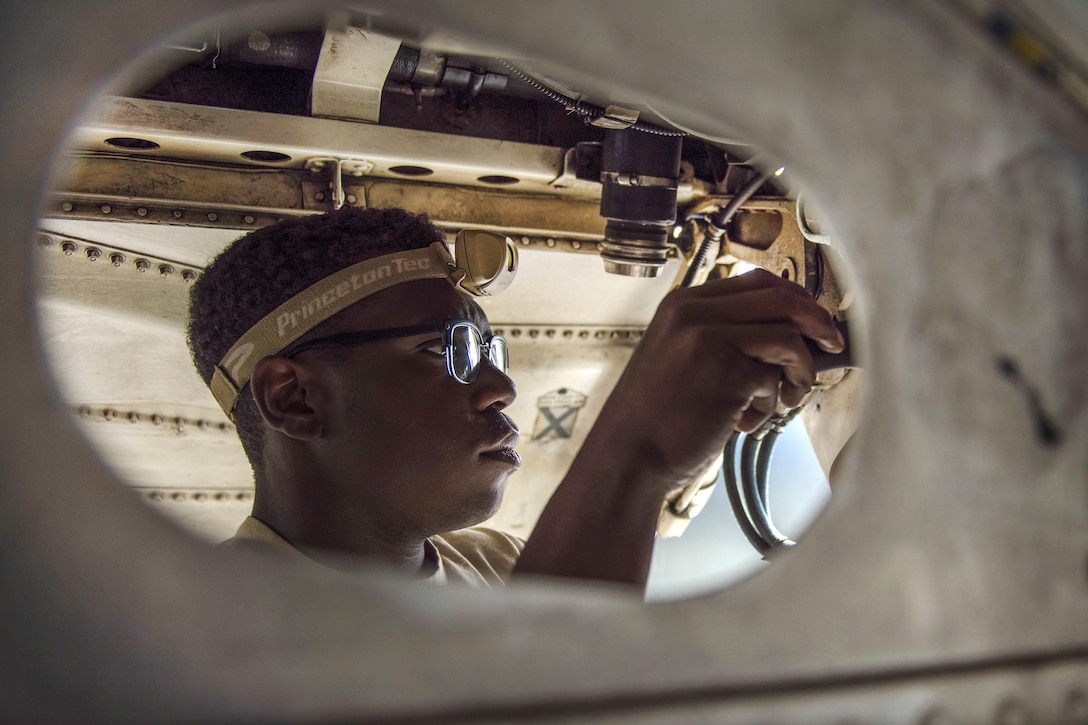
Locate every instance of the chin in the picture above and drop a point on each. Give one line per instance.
(477, 508)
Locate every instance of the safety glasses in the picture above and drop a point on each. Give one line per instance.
(463, 345)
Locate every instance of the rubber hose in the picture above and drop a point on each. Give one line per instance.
(732, 489)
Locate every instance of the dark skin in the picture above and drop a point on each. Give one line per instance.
(370, 449)
(374, 449)
(715, 358)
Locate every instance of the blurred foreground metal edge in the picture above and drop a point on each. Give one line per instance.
(947, 582)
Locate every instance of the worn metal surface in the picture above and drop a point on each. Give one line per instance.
(953, 554)
(222, 135)
(351, 70)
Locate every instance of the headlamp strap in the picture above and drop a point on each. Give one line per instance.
(317, 303)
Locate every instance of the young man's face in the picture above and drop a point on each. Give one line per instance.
(404, 442)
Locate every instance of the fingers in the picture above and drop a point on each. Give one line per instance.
(760, 296)
(757, 326)
(733, 351)
(779, 345)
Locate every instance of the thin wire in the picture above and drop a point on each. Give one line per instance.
(587, 111)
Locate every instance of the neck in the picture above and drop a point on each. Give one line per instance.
(326, 530)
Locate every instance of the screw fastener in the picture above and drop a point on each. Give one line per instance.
(93, 253)
(117, 259)
(68, 248)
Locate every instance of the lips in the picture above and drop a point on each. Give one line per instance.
(502, 446)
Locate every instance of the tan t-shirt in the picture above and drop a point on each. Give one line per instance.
(476, 557)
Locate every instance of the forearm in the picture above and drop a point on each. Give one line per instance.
(600, 522)
(715, 359)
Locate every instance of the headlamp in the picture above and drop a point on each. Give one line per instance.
(485, 264)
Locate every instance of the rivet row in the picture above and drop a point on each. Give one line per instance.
(198, 495)
(118, 259)
(557, 244)
(618, 335)
(146, 213)
(178, 423)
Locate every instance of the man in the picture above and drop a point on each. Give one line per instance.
(368, 438)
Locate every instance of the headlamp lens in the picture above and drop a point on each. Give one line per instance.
(488, 261)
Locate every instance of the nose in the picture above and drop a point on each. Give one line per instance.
(492, 388)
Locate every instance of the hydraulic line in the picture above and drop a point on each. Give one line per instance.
(757, 510)
(763, 467)
(733, 490)
(748, 495)
(716, 224)
(762, 486)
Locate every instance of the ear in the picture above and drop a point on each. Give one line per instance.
(285, 392)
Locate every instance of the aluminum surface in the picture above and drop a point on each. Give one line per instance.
(938, 160)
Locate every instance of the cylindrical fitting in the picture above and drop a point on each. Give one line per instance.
(640, 173)
(418, 67)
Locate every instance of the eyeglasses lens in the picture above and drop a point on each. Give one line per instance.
(498, 353)
(465, 352)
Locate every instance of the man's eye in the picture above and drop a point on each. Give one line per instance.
(435, 346)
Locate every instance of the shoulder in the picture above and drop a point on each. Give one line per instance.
(478, 556)
(254, 535)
